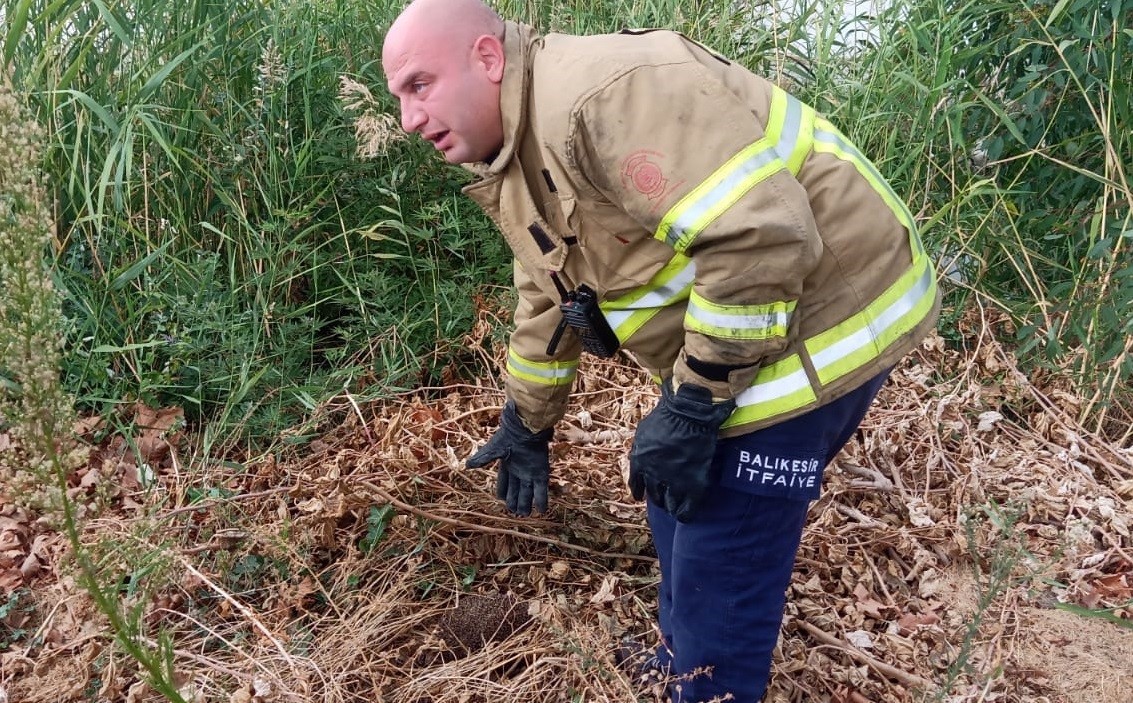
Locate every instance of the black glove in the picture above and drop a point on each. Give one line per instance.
(525, 462)
(673, 447)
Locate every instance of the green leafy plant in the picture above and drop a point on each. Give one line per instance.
(36, 407)
(11, 607)
(221, 245)
(1055, 119)
(1013, 140)
(377, 519)
(995, 569)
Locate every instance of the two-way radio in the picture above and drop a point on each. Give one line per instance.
(581, 313)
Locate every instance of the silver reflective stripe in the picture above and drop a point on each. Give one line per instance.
(822, 135)
(676, 288)
(764, 321)
(876, 324)
(792, 123)
(738, 177)
(540, 370)
(774, 389)
(696, 210)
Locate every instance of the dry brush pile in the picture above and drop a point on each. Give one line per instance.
(369, 565)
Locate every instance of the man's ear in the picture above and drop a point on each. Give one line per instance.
(488, 53)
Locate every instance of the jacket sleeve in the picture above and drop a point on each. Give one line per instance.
(539, 384)
(709, 174)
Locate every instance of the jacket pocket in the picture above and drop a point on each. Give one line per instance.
(621, 253)
(534, 240)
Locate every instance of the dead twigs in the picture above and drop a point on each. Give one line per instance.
(892, 672)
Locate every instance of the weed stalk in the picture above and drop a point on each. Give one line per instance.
(33, 403)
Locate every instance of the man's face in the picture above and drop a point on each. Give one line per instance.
(449, 93)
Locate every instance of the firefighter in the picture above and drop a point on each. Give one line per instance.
(662, 200)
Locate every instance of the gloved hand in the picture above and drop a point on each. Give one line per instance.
(525, 462)
(673, 447)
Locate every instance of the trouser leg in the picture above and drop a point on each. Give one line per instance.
(729, 577)
(725, 574)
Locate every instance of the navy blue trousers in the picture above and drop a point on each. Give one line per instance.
(724, 575)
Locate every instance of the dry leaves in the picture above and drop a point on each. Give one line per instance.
(370, 565)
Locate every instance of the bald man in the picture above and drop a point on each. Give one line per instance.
(461, 44)
(664, 202)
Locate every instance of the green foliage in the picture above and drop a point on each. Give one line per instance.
(1007, 126)
(995, 564)
(1053, 112)
(35, 405)
(376, 522)
(10, 608)
(220, 245)
(1106, 614)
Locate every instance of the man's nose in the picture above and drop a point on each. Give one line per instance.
(412, 118)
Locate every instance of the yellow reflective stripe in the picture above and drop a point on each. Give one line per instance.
(793, 150)
(738, 321)
(828, 140)
(706, 202)
(631, 311)
(547, 373)
(778, 388)
(863, 337)
(784, 145)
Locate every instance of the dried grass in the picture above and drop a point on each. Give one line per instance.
(968, 506)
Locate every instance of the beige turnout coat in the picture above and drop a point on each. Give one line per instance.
(717, 217)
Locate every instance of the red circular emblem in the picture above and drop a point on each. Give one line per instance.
(647, 177)
(640, 170)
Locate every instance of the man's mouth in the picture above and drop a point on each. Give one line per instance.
(437, 138)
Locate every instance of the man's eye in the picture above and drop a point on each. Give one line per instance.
(417, 87)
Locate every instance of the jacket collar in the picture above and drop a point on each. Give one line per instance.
(519, 47)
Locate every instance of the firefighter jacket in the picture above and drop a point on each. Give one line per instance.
(735, 238)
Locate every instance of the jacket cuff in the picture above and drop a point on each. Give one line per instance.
(538, 410)
(725, 381)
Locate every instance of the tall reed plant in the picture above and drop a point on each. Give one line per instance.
(220, 246)
(1006, 126)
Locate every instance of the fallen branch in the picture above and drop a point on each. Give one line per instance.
(857, 516)
(204, 504)
(892, 672)
(497, 530)
(875, 480)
